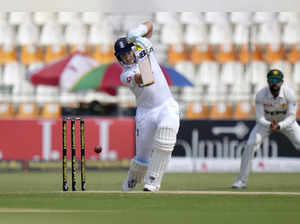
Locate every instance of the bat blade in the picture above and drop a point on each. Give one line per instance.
(146, 71)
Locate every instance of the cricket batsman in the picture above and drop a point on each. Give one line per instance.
(157, 113)
(275, 107)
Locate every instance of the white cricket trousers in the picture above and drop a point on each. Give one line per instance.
(148, 121)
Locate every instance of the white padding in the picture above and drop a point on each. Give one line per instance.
(165, 139)
(137, 171)
(157, 166)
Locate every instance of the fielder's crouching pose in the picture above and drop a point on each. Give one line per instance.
(157, 114)
(275, 107)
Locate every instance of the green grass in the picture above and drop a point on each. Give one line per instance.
(34, 197)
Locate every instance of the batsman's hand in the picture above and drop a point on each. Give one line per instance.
(144, 43)
(274, 126)
(138, 79)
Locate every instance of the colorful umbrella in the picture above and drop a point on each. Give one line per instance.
(81, 72)
(174, 78)
(65, 72)
(103, 78)
(107, 77)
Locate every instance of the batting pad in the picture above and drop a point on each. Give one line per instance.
(157, 166)
(137, 171)
(165, 138)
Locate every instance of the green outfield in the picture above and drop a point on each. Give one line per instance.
(35, 197)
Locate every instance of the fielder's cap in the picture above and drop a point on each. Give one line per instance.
(275, 76)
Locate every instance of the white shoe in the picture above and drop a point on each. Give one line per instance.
(151, 188)
(239, 184)
(128, 185)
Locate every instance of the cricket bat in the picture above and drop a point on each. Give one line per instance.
(146, 70)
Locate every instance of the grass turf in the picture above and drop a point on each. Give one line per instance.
(34, 197)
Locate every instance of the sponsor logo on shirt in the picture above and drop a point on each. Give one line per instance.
(142, 54)
(267, 105)
(128, 79)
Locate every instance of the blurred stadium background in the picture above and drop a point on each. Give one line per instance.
(226, 55)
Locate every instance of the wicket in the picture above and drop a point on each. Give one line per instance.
(73, 153)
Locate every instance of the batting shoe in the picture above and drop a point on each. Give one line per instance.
(239, 184)
(150, 188)
(128, 185)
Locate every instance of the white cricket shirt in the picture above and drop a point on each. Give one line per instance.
(281, 109)
(148, 96)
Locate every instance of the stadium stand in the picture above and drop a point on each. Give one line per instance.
(243, 110)
(197, 111)
(6, 111)
(27, 111)
(221, 111)
(225, 55)
(51, 110)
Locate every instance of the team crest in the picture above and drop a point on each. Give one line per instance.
(128, 79)
(122, 45)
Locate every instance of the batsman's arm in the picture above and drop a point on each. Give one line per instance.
(149, 26)
(142, 30)
(140, 35)
(260, 114)
(291, 111)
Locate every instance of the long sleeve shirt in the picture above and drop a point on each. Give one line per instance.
(281, 108)
(148, 96)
